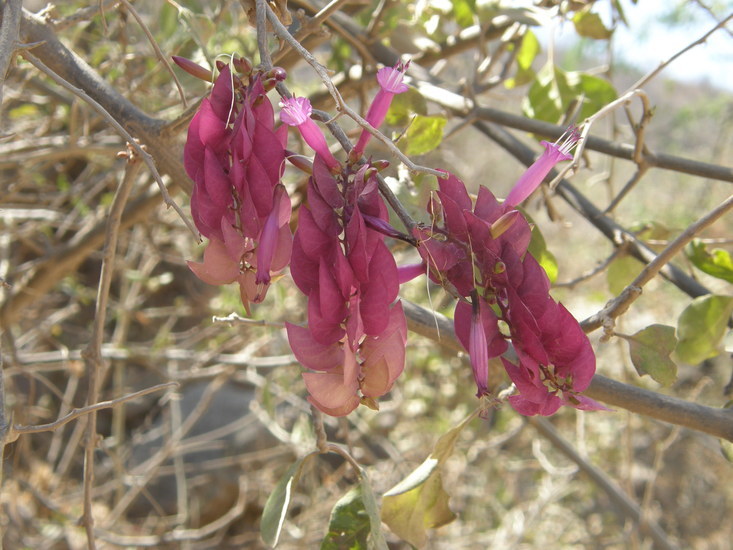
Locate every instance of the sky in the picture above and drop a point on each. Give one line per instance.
(648, 41)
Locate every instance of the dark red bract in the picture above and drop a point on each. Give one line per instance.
(235, 157)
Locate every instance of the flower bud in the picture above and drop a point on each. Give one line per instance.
(504, 222)
(194, 69)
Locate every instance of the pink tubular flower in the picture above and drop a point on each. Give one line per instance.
(532, 178)
(390, 83)
(296, 111)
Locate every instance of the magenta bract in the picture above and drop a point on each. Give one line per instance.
(479, 254)
(235, 157)
(350, 277)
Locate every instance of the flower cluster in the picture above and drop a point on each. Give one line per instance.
(354, 343)
(479, 253)
(356, 334)
(355, 339)
(235, 158)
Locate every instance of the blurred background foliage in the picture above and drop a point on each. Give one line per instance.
(192, 467)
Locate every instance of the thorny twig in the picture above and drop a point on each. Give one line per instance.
(18, 430)
(600, 268)
(335, 129)
(341, 105)
(145, 471)
(158, 52)
(651, 74)
(625, 504)
(147, 159)
(92, 354)
(619, 305)
(710, 420)
(10, 13)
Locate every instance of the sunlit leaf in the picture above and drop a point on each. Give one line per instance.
(526, 54)
(419, 502)
(716, 262)
(538, 248)
(424, 134)
(553, 90)
(276, 507)
(650, 349)
(349, 525)
(589, 25)
(621, 272)
(464, 12)
(376, 538)
(404, 106)
(701, 328)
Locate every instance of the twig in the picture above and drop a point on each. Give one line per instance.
(341, 105)
(83, 14)
(92, 354)
(614, 232)
(629, 508)
(18, 430)
(162, 140)
(641, 170)
(710, 420)
(647, 77)
(711, 13)
(593, 272)
(67, 258)
(318, 427)
(619, 305)
(158, 52)
(30, 362)
(325, 15)
(261, 21)
(602, 112)
(235, 318)
(146, 470)
(462, 106)
(9, 30)
(376, 19)
(5, 426)
(147, 159)
(334, 128)
(384, 189)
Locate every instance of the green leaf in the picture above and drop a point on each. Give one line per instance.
(464, 11)
(424, 134)
(650, 349)
(355, 522)
(716, 262)
(404, 106)
(538, 248)
(589, 25)
(419, 501)
(553, 90)
(621, 272)
(701, 327)
(526, 54)
(370, 505)
(349, 524)
(276, 507)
